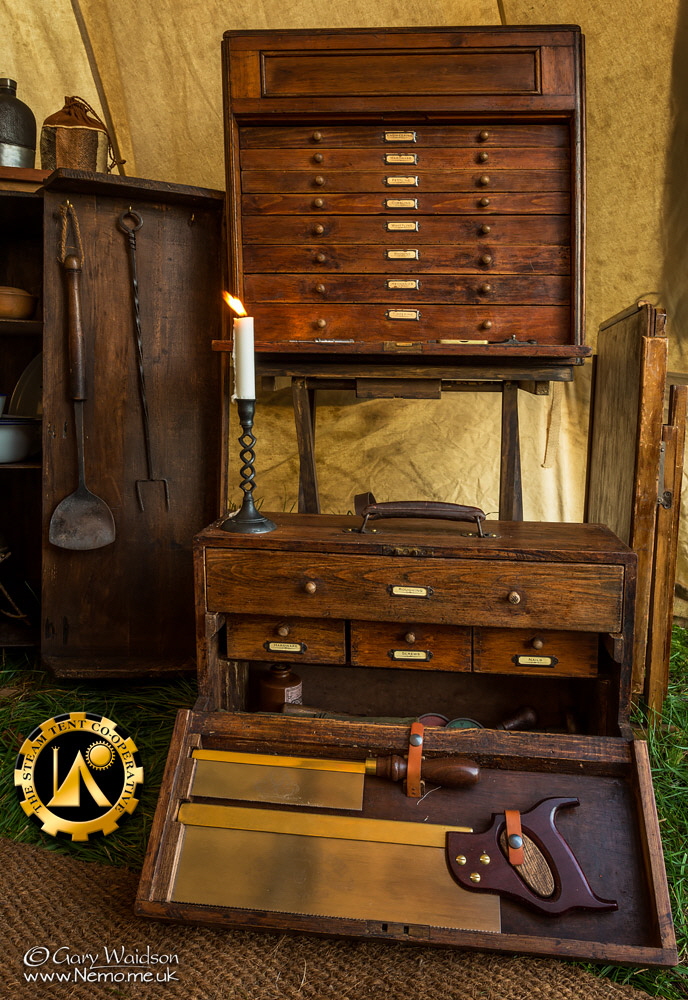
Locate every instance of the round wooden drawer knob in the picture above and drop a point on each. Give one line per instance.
(321, 323)
(486, 259)
(318, 203)
(319, 180)
(320, 289)
(284, 631)
(485, 229)
(485, 288)
(318, 230)
(484, 180)
(318, 157)
(537, 643)
(514, 597)
(317, 137)
(321, 258)
(483, 202)
(410, 638)
(310, 587)
(486, 324)
(483, 136)
(483, 157)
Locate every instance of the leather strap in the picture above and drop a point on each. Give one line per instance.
(414, 784)
(513, 830)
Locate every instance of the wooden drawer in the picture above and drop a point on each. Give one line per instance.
(454, 592)
(413, 137)
(455, 289)
(480, 258)
(528, 651)
(265, 637)
(549, 231)
(369, 328)
(323, 180)
(412, 645)
(441, 158)
(448, 203)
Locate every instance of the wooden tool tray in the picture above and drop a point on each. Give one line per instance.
(194, 872)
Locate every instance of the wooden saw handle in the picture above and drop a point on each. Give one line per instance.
(450, 772)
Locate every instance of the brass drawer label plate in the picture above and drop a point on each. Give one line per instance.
(402, 283)
(401, 181)
(286, 647)
(399, 591)
(535, 661)
(410, 654)
(400, 137)
(402, 254)
(403, 314)
(391, 158)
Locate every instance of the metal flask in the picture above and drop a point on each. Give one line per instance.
(17, 128)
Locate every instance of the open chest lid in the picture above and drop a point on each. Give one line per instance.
(434, 869)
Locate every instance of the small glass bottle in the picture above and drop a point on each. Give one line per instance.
(17, 128)
(279, 686)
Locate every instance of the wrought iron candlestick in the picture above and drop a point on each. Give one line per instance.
(247, 520)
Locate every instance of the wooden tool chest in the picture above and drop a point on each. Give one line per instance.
(415, 619)
(408, 191)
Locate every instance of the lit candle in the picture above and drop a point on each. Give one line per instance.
(243, 354)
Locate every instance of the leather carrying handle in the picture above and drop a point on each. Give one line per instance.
(75, 332)
(367, 507)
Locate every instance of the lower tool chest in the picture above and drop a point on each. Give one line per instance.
(449, 760)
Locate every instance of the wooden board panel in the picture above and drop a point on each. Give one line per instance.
(625, 440)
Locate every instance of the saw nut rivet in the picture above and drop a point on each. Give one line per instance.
(474, 877)
(484, 859)
(415, 739)
(460, 859)
(515, 841)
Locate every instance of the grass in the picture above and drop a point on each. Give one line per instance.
(147, 711)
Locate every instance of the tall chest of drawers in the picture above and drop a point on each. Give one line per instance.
(408, 192)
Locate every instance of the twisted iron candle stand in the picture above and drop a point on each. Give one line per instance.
(248, 520)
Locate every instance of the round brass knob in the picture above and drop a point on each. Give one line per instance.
(486, 259)
(283, 630)
(483, 157)
(483, 202)
(321, 323)
(485, 288)
(318, 230)
(537, 643)
(317, 136)
(514, 597)
(483, 136)
(486, 324)
(310, 587)
(484, 229)
(321, 258)
(318, 157)
(410, 638)
(319, 180)
(484, 180)
(318, 203)
(320, 288)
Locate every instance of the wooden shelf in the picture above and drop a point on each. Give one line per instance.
(32, 327)
(20, 465)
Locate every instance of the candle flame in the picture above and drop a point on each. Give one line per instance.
(235, 304)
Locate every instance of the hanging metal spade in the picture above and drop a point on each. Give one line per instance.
(130, 230)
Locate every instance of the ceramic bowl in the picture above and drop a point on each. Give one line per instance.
(19, 438)
(15, 303)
